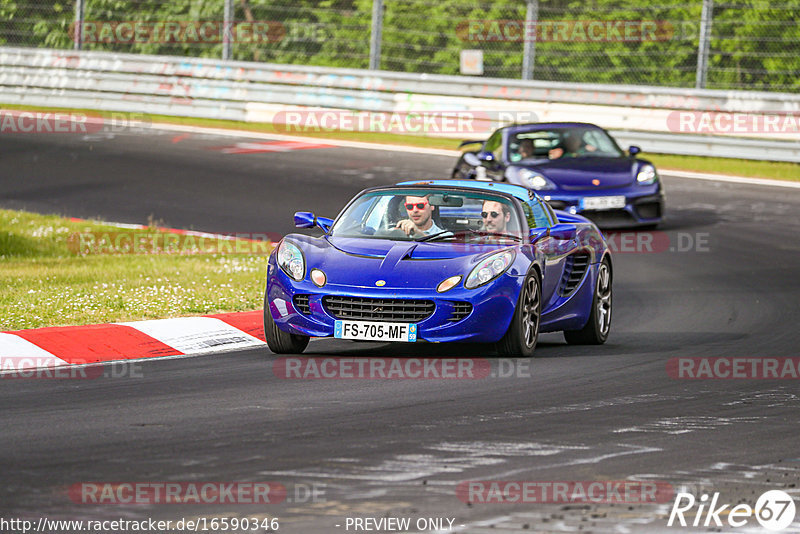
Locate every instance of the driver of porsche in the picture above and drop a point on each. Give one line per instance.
(420, 217)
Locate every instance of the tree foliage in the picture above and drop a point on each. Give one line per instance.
(754, 44)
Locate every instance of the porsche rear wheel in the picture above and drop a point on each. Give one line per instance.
(278, 341)
(599, 324)
(522, 334)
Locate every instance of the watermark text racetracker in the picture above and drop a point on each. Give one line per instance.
(721, 122)
(179, 31)
(564, 491)
(54, 122)
(32, 368)
(566, 31)
(648, 242)
(169, 242)
(733, 368)
(196, 492)
(422, 122)
(638, 242)
(392, 368)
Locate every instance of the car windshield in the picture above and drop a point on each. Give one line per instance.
(555, 143)
(431, 215)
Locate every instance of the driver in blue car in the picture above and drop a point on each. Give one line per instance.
(420, 217)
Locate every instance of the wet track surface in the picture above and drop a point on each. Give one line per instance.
(722, 281)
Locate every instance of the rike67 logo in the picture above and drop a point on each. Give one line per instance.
(774, 510)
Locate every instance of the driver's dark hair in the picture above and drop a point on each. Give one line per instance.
(434, 209)
(506, 208)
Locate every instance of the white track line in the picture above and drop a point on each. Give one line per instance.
(730, 179)
(442, 152)
(316, 140)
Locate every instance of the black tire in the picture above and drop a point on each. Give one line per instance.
(523, 332)
(278, 341)
(599, 324)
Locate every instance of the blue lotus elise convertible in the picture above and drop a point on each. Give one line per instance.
(576, 167)
(441, 261)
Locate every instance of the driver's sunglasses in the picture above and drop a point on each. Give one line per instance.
(419, 205)
(485, 214)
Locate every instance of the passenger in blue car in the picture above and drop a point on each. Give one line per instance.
(495, 216)
(420, 217)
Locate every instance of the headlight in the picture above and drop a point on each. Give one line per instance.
(291, 260)
(489, 269)
(647, 175)
(536, 181)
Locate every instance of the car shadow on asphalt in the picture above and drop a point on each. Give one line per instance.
(550, 345)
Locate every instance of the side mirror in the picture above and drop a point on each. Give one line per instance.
(304, 219)
(538, 233)
(471, 159)
(485, 156)
(563, 231)
(325, 223)
(633, 150)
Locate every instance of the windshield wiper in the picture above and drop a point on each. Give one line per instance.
(449, 234)
(498, 234)
(445, 233)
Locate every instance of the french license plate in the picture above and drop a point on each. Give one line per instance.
(603, 203)
(374, 331)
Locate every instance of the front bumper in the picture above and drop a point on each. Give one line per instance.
(640, 209)
(493, 307)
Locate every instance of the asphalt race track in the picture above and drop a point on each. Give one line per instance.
(722, 282)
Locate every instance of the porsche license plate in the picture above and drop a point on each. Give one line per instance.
(603, 203)
(374, 331)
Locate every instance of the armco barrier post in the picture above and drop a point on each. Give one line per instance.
(77, 37)
(375, 39)
(702, 47)
(529, 49)
(227, 35)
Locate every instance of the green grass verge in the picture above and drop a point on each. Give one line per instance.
(47, 281)
(738, 167)
(775, 170)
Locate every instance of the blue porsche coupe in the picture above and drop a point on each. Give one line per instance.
(576, 167)
(441, 261)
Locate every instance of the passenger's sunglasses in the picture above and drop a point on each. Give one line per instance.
(419, 205)
(485, 214)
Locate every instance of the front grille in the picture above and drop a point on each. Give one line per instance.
(574, 270)
(386, 310)
(460, 310)
(301, 304)
(609, 218)
(585, 186)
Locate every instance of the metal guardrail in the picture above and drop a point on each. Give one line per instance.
(240, 90)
